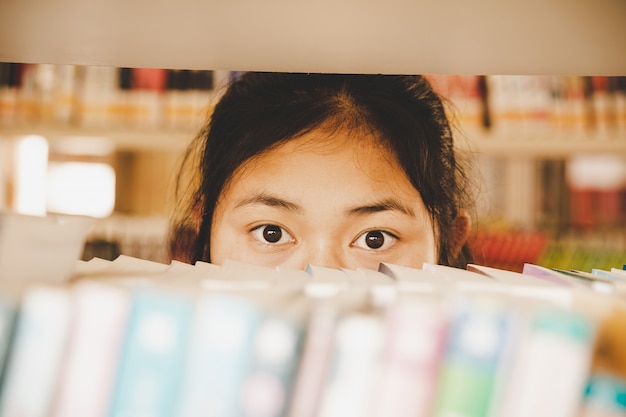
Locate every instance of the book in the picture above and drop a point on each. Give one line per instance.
(526, 286)
(218, 354)
(276, 351)
(462, 280)
(411, 357)
(318, 347)
(153, 352)
(37, 350)
(561, 341)
(414, 280)
(355, 365)
(381, 287)
(56, 241)
(86, 381)
(9, 309)
(476, 355)
(325, 282)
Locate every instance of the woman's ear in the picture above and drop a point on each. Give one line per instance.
(461, 229)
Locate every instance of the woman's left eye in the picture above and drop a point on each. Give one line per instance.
(375, 240)
(271, 234)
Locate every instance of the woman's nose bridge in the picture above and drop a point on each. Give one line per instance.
(327, 254)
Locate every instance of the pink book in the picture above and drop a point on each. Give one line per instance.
(411, 358)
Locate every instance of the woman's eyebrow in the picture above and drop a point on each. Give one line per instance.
(388, 204)
(271, 201)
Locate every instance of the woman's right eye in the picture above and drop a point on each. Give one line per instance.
(271, 234)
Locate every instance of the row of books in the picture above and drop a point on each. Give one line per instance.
(97, 96)
(538, 105)
(511, 249)
(585, 194)
(131, 337)
(105, 97)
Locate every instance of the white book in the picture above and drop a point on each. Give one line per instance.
(548, 376)
(37, 351)
(91, 266)
(239, 276)
(463, 280)
(86, 380)
(126, 270)
(416, 328)
(526, 286)
(318, 348)
(355, 366)
(381, 287)
(35, 249)
(326, 282)
(218, 354)
(414, 280)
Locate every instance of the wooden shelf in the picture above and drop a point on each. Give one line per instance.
(395, 36)
(123, 139)
(545, 144)
(558, 144)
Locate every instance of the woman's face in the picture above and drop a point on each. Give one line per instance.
(323, 199)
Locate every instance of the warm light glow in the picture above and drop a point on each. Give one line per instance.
(81, 188)
(598, 172)
(31, 164)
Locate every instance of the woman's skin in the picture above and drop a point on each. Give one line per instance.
(337, 199)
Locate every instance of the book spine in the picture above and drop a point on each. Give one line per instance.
(411, 359)
(153, 355)
(86, 382)
(219, 355)
(551, 378)
(37, 352)
(472, 366)
(276, 351)
(314, 362)
(355, 366)
(9, 309)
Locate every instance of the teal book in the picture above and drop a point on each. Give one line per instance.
(474, 360)
(551, 368)
(37, 351)
(219, 355)
(8, 317)
(276, 352)
(153, 355)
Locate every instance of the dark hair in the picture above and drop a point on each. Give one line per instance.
(259, 111)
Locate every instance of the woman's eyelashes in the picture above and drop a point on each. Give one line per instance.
(271, 234)
(375, 240)
(371, 240)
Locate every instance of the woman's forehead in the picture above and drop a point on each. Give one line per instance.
(329, 158)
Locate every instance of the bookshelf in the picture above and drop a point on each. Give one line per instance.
(527, 140)
(484, 37)
(546, 145)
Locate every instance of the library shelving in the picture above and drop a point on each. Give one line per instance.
(575, 367)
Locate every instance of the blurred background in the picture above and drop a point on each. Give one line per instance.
(548, 155)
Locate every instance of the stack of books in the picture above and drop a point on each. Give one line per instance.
(132, 337)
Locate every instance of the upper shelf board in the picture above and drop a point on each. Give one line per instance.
(576, 37)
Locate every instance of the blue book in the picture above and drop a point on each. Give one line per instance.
(479, 343)
(219, 355)
(8, 316)
(37, 350)
(276, 353)
(153, 355)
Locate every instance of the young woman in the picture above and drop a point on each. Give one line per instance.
(325, 169)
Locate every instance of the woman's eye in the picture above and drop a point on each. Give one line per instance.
(375, 240)
(272, 234)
